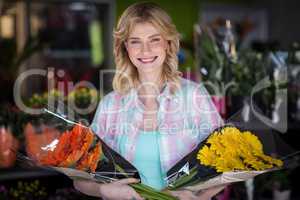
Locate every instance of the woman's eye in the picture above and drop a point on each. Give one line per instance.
(155, 40)
(134, 42)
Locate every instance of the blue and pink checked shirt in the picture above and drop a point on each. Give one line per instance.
(184, 120)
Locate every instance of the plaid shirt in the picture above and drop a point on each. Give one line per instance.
(184, 120)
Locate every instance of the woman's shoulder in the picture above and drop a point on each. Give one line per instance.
(111, 97)
(192, 87)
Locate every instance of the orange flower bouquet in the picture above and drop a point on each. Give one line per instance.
(75, 148)
(72, 148)
(56, 143)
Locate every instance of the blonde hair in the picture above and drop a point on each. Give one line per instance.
(126, 75)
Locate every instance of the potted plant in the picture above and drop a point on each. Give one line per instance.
(233, 73)
(213, 66)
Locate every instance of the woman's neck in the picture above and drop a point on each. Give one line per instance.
(149, 87)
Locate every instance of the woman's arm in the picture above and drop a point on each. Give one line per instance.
(117, 190)
(203, 194)
(98, 124)
(204, 113)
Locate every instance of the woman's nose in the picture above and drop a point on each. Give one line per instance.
(146, 47)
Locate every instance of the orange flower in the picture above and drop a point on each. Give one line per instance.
(60, 152)
(81, 140)
(95, 157)
(73, 147)
(90, 160)
(83, 162)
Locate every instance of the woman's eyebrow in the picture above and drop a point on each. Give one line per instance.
(133, 38)
(154, 35)
(137, 38)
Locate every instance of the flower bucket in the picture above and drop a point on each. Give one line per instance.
(37, 136)
(8, 148)
(220, 103)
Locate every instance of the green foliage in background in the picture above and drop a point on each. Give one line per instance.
(240, 74)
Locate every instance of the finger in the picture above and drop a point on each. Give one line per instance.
(216, 190)
(136, 196)
(189, 195)
(209, 193)
(184, 195)
(78, 184)
(174, 193)
(127, 181)
(80, 181)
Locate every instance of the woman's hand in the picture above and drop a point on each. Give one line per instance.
(117, 190)
(184, 195)
(203, 194)
(209, 193)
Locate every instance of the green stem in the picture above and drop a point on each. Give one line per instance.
(184, 179)
(148, 192)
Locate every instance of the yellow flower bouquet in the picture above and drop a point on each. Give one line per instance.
(228, 155)
(231, 149)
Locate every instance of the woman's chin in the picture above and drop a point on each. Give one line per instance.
(148, 68)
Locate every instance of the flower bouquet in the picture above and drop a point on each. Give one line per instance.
(238, 151)
(227, 155)
(73, 149)
(77, 152)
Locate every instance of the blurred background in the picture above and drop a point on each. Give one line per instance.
(241, 49)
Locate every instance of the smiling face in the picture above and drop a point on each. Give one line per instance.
(146, 48)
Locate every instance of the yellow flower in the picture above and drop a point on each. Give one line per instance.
(206, 156)
(230, 149)
(252, 141)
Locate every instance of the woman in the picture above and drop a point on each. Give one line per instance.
(153, 117)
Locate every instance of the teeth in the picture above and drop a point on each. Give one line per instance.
(147, 59)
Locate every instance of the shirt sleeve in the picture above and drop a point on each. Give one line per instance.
(98, 124)
(205, 115)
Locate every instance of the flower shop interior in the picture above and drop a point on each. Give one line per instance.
(59, 53)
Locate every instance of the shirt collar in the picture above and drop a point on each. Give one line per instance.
(165, 94)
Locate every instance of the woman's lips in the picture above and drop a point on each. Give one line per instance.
(147, 60)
